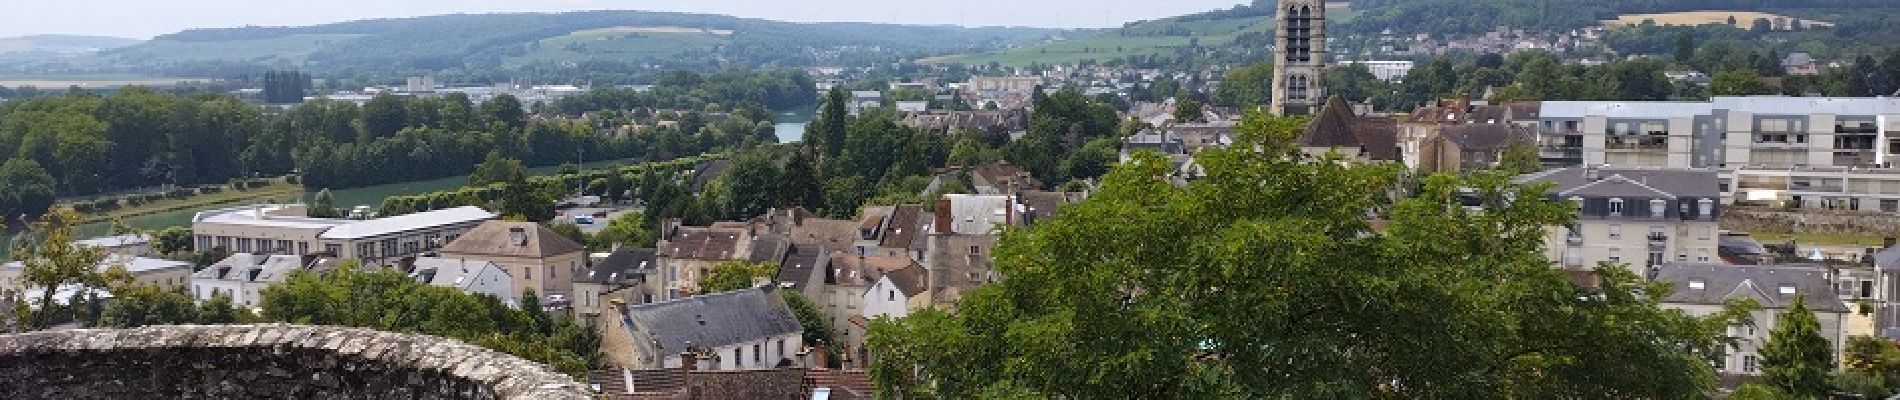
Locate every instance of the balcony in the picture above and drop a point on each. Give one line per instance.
(1658, 241)
(1636, 145)
(1775, 145)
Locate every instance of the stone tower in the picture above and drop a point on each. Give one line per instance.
(1299, 57)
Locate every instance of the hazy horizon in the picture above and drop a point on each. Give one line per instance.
(140, 19)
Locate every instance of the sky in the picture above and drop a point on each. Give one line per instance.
(142, 19)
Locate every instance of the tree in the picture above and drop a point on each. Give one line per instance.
(568, 230)
(752, 185)
(1796, 359)
(626, 230)
(497, 169)
(1762, 25)
(1739, 82)
(799, 185)
(1520, 158)
(818, 330)
(526, 201)
(1685, 46)
(323, 205)
(1188, 110)
(172, 240)
(1246, 87)
(1300, 299)
(827, 134)
(138, 306)
(25, 188)
(505, 110)
(51, 260)
(734, 275)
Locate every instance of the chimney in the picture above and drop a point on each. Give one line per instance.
(820, 357)
(1591, 174)
(944, 217)
(689, 361)
(518, 236)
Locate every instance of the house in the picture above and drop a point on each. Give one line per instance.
(843, 296)
(1001, 178)
(687, 254)
(1463, 148)
(164, 274)
(1421, 134)
(468, 276)
(621, 276)
(688, 382)
(1639, 217)
(243, 276)
(135, 245)
(1800, 64)
(910, 107)
(864, 100)
(892, 231)
(1336, 129)
(1703, 289)
(747, 329)
(896, 293)
(536, 258)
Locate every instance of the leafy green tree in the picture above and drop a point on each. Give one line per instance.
(526, 201)
(569, 230)
(799, 184)
(734, 275)
(1520, 158)
(1796, 359)
(1739, 82)
(172, 240)
(818, 329)
(323, 205)
(1301, 298)
(25, 188)
(497, 169)
(50, 260)
(505, 110)
(1188, 110)
(827, 134)
(1245, 87)
(626, 230)
(1758, 391)
(138, 305)
(752, 185)
(220, 310)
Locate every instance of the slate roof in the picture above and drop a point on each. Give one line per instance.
(1613, 182)
(909, 279)
(712, 320)
(239, 267)
(1336, 126)
(706, 171)
(1723, 282)
(829, 232)
(452, 272)
(499, 238)
(902, 226)
(799, 263)
(1484, 136)
(1045, 205)
(845, 267)
(701, 243)
(1889, 258)
(621, 266)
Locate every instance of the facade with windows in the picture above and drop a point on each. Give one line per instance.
(287, 230)
(1799, 152)
(1703, 289)
(1638, 218)
(1300, 57)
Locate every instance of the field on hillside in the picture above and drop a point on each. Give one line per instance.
(1743, 19)
(293, 49)
(622, 43)
(1157, 37)
(102, 81)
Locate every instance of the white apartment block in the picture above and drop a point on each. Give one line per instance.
(286, 229)
(1808, 152)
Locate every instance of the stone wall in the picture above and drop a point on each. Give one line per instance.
(1755, 219)
(265, 361)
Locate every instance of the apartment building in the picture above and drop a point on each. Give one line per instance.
(1803, 152)
(1641, 218)
(1703, 289)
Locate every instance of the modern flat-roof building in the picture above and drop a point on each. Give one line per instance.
(165, 274)
(286, 229)
(1807, 152)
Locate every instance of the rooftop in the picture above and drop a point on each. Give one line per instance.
(621, 266)
(512, 239)
(404, 223)
(1632, 182)
(1773, 286)
(713, 320)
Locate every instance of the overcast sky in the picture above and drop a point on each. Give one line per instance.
(146, 18)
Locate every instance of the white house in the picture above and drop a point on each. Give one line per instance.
(749, 329)
(243, 277)
(896, 294)
(471, 276)
(1702, 289)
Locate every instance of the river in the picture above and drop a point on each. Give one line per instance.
(790, 127)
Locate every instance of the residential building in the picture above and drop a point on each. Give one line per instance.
(1421, 136)
(748, 329)
(991, 123)
(896, 294)
(164, 274)
(1389, 71)
(1001, 178)
(1337, 130)
(1703, 289)
(536, 258)
(893, 231)
(242, 277)
(1800, 64)
(135, 245)
(1464, 148)
(621, 276)
(286, 229)
(864, 100)
(1637, 217)
(468, 276)
(1299, 51)
(687, 254)
(842, 299)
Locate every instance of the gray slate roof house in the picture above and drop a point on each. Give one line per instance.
(624, 266)
(712, 320)
(1773, 286)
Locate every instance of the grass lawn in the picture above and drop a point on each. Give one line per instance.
(277, 190)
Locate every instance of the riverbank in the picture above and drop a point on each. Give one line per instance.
(276, 191)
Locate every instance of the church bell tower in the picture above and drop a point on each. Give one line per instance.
(1299, 57)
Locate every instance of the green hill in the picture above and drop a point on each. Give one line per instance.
(491, 41)
(1242, 26)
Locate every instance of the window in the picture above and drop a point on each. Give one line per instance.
(1785, 289)
(1705, 208)
(756, 358)
(781, 348)
(892, 296)
(738, 355)
(1616, 231)
(1697, 285)
(974, 250)
(333, 249)
(1616, 255)
(303, 248)
(1890, 205)
(1866, 289)
(1748, 363)
(528, 272)
(1616, 207)
(1657, 206)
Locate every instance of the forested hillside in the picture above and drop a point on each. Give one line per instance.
(490, 41)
